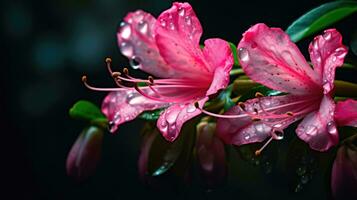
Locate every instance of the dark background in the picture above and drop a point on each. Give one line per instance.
(48, 45)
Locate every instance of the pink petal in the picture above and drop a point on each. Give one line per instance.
(85, 153)
(327, 52)
(126, 105)
(178, 33)
(172, 119)
(318, 128)
(136, 41)
(244, 130)
(346, 113)
(220, 58)
(268, 56)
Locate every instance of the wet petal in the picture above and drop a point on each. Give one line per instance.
(318, 128)
(136, 41)
(126, 105)
(85, 153)
(327, 52)
(220, 58)
(268, 56)
(172, 119)
(244, 130)
(178, 33)
(346, 113)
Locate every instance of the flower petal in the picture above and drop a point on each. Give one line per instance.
(244, 130)
(327, 52)
(126, 105)
(136, 41)
(220, 58)
(268, 56)
(346, 113)
(318, 128)
(172, 119)
(178, 33)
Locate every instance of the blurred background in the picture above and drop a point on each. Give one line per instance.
(48, 45)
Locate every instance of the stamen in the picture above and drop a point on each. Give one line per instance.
(241, 105)
(151, 80)
(289, 113)
(84, 80)
(116, 74)
(255, 119)
(259, 151)
(126, 71)
(258, 95)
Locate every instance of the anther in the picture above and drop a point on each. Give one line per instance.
(151, 79)
(255, 119)
(116, 74)
(84, 78)
(259, 151)
(126, 71)
(258, 95)
(108, 60)
(290, 113)
(241, 105)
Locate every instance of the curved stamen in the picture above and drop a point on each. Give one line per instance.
(259, 151)
(84, 80)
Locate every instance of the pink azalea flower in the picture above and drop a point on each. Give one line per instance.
(268, 56)
(167, 48)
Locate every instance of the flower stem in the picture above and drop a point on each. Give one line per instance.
(345, 89)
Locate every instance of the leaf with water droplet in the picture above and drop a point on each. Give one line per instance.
(87, 111)
(320, 18)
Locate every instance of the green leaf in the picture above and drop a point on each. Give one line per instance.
(234, 51)
(86, 110)
(261, 89)
(319, 18)
(225, 96)
(151, 115)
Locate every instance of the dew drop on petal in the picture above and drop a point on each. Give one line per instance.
(163, 23)
(127, 49)
(247, 137)
(277, 134)
(340, 52)
(191, 108)
(172, 26)
(259, 127)
(181, 12)
(135, 62)
(243, 54)
(143, 27)
(311, 130)
(331, 128)
(125, 30)
(188, 20)
(327, 35)
(327, 87)
(315, 44)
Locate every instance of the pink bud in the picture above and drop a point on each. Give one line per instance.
(210, 154)
(85, 153)
(344, 171)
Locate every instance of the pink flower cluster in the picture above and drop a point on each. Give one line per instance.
(185, 75)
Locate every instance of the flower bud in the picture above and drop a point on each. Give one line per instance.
(344, 171)
(210, 154)
(85, 153)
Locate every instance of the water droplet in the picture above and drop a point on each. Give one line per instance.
(259, 127)
(163, 23)
(171, 117)
(277, 134)
(170, 16)
(340, 52)
(243, 54)
(188, 20)
(331, 128)
(315, 44)
(327, 87)
(116, 118)
(334, 58)
(181, 12)
(172, 26)
(125, 30)
(247, 137)
(311, 130)
(318, 58)
(327, 35)
(127, 49)
(191, 108)
(135, 62)
(304, 179)
(143, 27)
